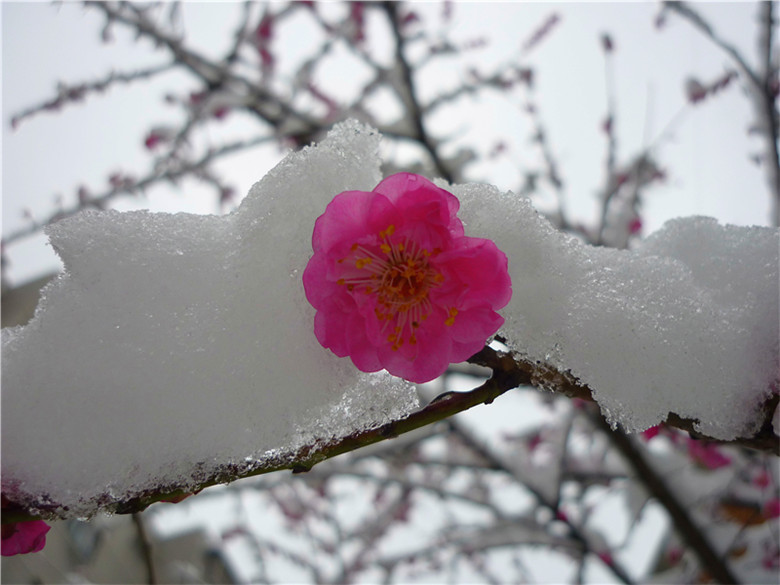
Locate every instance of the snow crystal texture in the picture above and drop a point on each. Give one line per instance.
(180, 342)
(686, 323)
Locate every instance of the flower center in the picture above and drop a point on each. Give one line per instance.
(400, 276)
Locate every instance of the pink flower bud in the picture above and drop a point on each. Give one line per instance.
(409, 18)
(606, 558)
(694, 90)
(358, 22)
(159, 135)
(265, 29)
(762, 479)
(152, 140)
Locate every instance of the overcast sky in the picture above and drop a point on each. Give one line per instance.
(706, 154)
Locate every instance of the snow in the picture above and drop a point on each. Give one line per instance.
(685, 323)
(173, 345)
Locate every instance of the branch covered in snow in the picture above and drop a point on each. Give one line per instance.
(185, 300)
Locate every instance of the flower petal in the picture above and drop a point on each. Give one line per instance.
(477, 271)
(23, 537)
(397, 284)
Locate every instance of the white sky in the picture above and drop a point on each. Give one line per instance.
(706, 155)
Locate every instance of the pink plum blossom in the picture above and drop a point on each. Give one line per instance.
(772, 508)
(707, 455)
(397, 284)
(606, 558)
(651, 433)
(159, 135)
(24, 537)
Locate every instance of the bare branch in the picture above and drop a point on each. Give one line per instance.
(124, 188)
(77, 92)
(763, 86)
(692, 534)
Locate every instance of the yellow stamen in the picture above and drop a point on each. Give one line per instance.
(451, 320)
(399, 274)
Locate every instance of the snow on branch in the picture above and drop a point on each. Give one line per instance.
(177, 350)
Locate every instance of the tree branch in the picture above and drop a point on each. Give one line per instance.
(146, 548)
(183, 170)
(693, 536)
(415, 112)
(67, 93)
(509, 372)
(762, 85)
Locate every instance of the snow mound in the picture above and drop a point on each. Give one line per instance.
(686, 323)
(175, 344)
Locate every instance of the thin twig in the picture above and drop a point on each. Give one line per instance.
(170, 175)
(508, 372)
(410, 97)
(146, 548)
(70, 93)
(692, 534)
(762, 86)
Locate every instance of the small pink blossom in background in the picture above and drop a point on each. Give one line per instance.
(152, 140)
(608, 125)
(221, 112)
(159, 135)
(707, 454)
(606, 43)
(650, 433)
(265, 30)
(674, 555)
(197, 97)
(396, 283)
(772, 508)
(24, 537)
(264, 34)
(762, 479)
(635, 225)
(771, 559)
(226, 195)
(694, 90)
(409, 18)
(357, 16)
(534, 441)
(606, 558)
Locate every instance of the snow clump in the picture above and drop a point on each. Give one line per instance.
(173, 345)
(686, 323)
